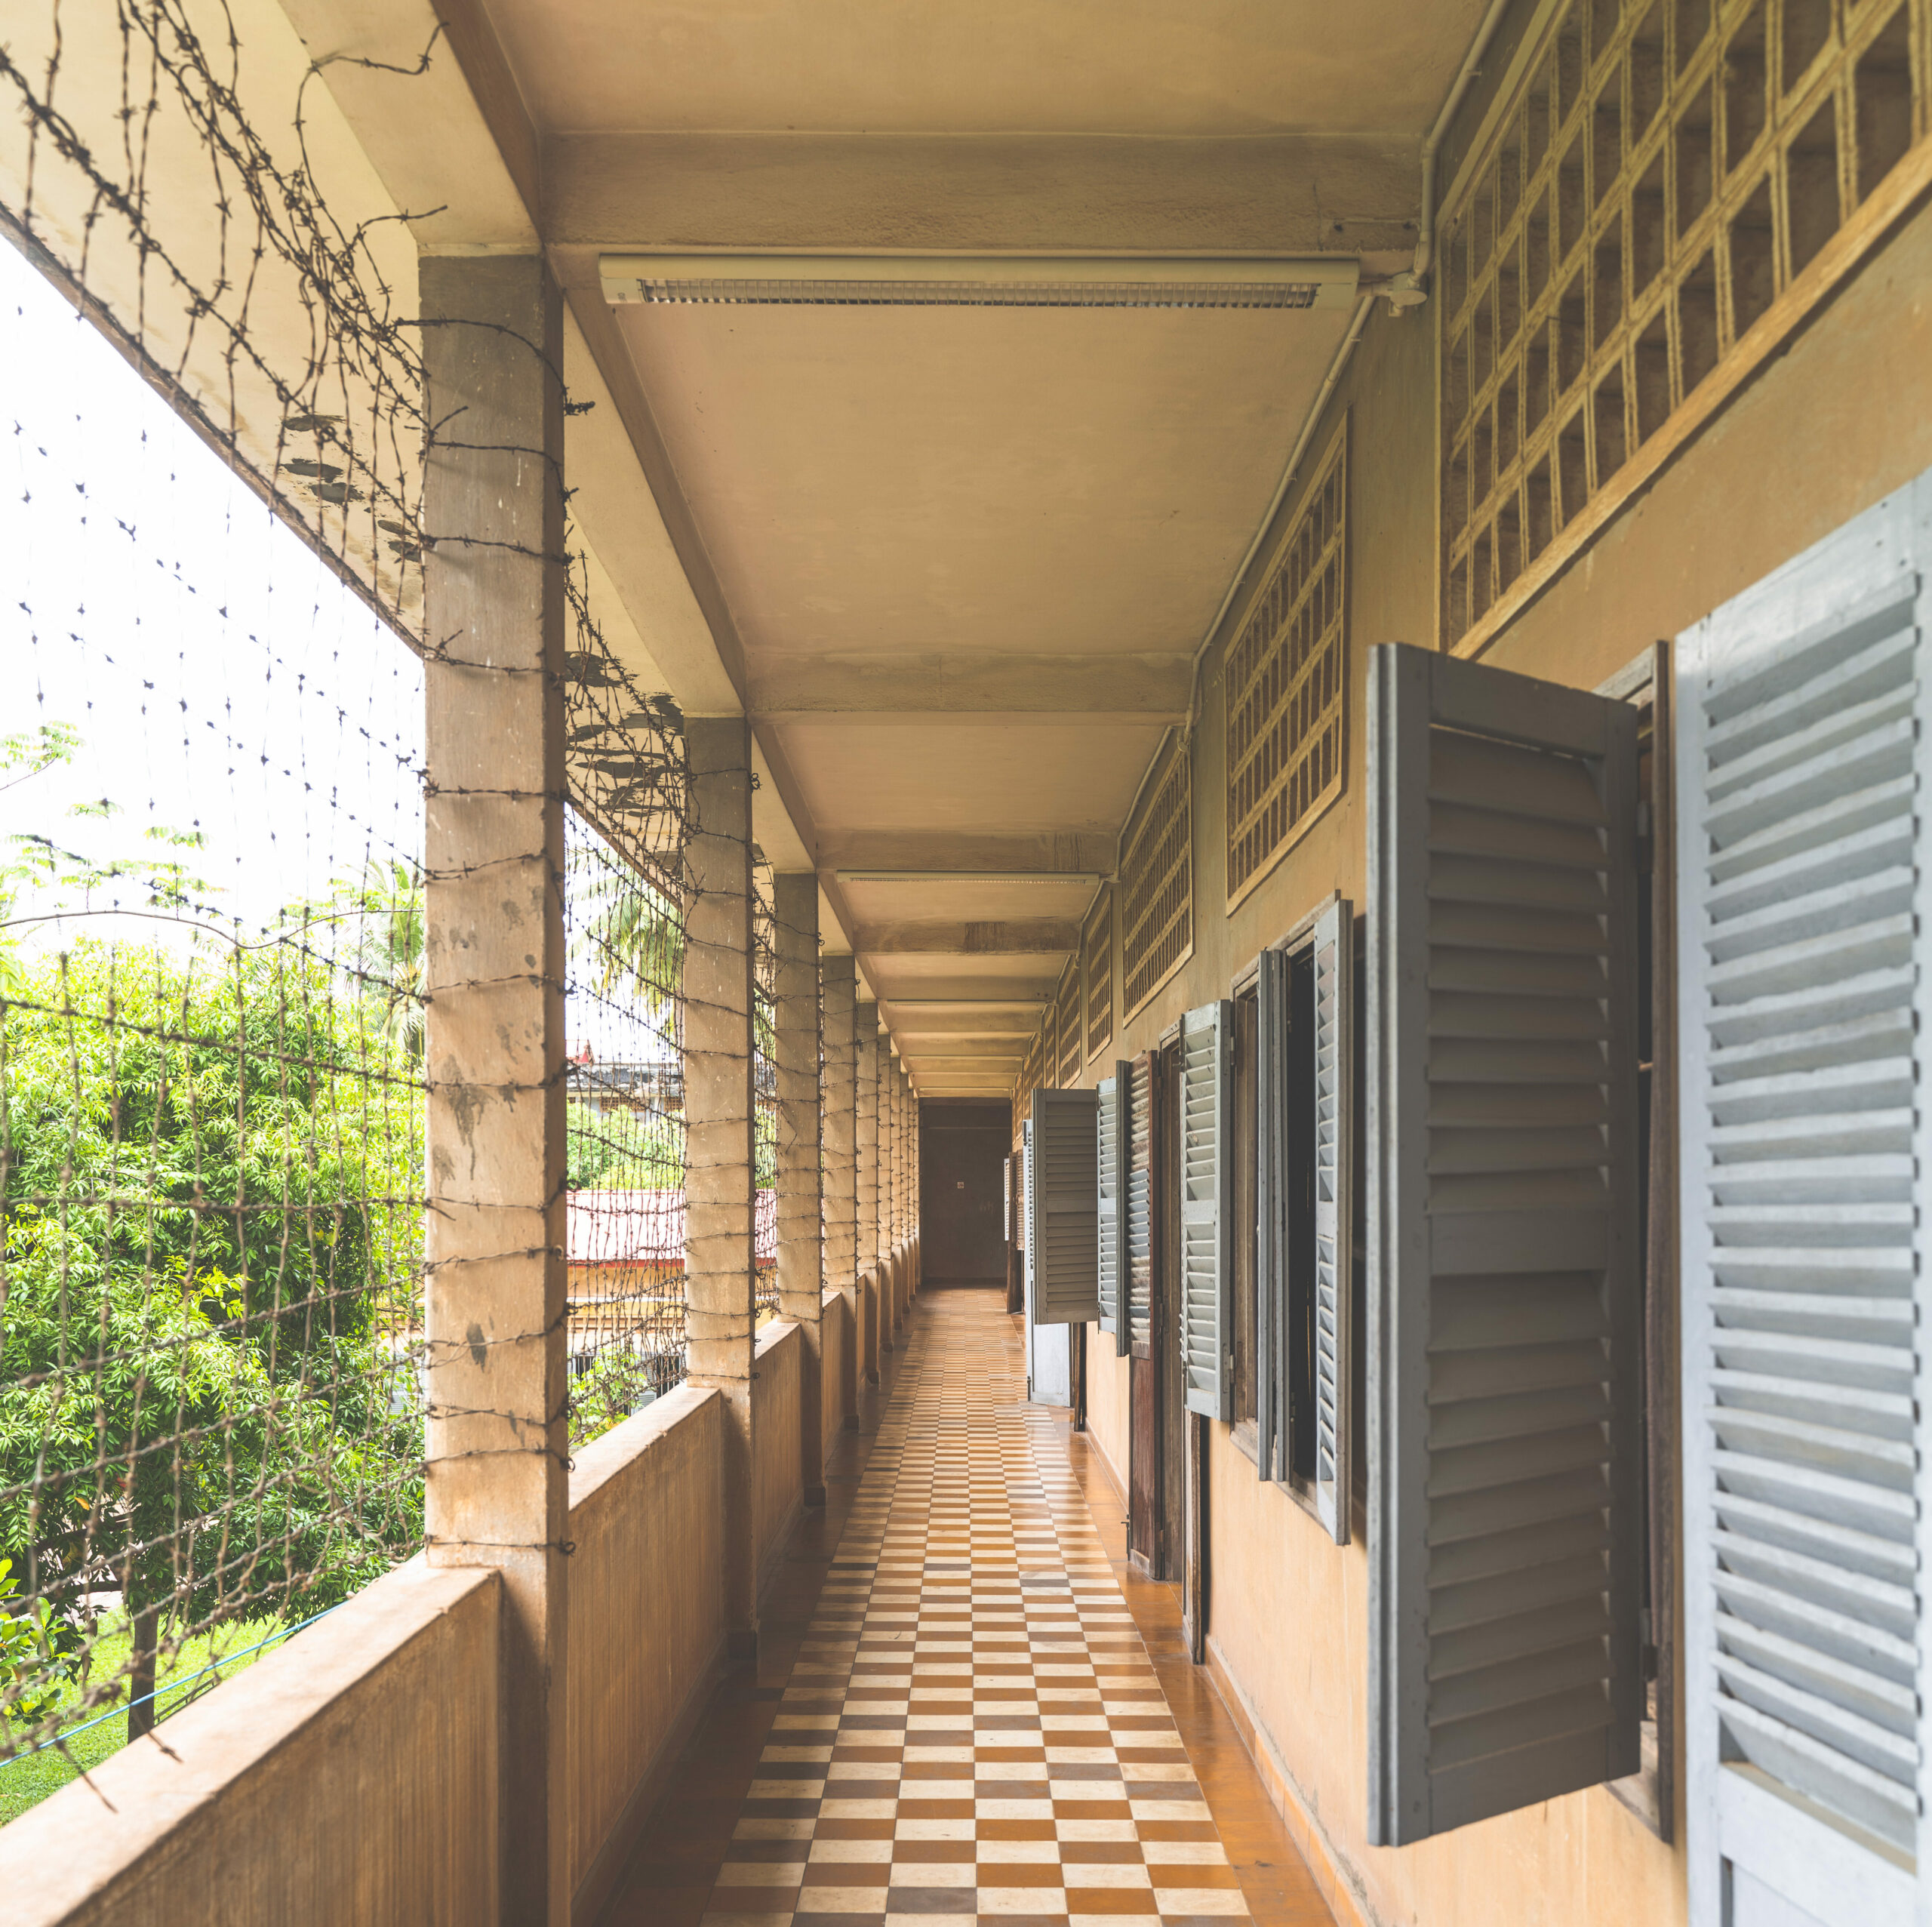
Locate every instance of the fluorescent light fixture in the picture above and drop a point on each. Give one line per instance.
(979, 281)
(968, 1003)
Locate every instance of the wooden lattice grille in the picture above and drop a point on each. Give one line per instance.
(1069, 1058)
(1157, 886)
(1098, 947)
(1287, 678)
(1660, 179)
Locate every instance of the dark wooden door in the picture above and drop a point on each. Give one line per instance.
(1143, 1476)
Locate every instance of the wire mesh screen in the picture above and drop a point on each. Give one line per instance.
(624, 917)
(211, 916)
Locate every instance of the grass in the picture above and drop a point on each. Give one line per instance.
(26, 1779)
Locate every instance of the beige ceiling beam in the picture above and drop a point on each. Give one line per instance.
(1042, 936)
(1004, 852)
(894, 687)
(452, 143)
(1289, 194)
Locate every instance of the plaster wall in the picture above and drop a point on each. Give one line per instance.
(646, 1606)
(339, 1779)
(1842, 416)
(777, 1489)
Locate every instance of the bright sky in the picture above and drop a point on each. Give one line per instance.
(220, 678)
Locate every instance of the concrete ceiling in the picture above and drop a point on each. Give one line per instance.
(956, 562)
(1137, 67)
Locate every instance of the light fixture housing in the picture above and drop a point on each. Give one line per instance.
(979, 280)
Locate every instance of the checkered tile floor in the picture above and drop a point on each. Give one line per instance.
(972, 1729)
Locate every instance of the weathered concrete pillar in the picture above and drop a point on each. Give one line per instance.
(720, 1312)
(888, 1151)
(866, 1024)
(800, 1229)
(838, 976)
(887, 1198)
(496, 1491)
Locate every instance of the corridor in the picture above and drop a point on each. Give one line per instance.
(970, 1720)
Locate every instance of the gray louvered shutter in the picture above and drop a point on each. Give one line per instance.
(1206, 1274)
(1027, 1213)
(1334, 1137)
(1504, 1368)
(1273, 1341)
(1803, 917)
(1065, 1209)
(1138, 1336)
(1111, 1148)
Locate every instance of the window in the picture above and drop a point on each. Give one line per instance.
(1097, 944)
(1288, 682)
(1063, 1208)
(1242, 1243)
(1802, 968)
(1111, 1147)
(1505, 1322)
(1302, 1284)
(1610, 249)
(1207, 1217)
(1070, 1057)
(1157, 885)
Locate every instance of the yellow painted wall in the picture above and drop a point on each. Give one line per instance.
(1842, 417)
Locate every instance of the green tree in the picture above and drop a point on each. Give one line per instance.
(212, 1186)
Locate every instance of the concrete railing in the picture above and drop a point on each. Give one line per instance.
(646, 1619)
(777, 1485)
(351, 1778)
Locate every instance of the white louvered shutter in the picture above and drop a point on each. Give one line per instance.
(1107, 1127)
(1026, 1214)
(1333, 1135)
(1206, 1279)
(1273, 1341)
(1138, 1337)
(1505, 1312)
(1112, 1149)
(1065, 1209)
(1802, 920)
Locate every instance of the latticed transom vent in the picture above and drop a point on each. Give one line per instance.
(1660, 179)
(1068, 1056)
(1157, 886)
(1097, 947)
(1287, 677)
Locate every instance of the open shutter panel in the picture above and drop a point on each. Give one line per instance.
(1273, 1340)
(1065, 1209)
(1138, 1337)
(1108, 1147)
(1026, 1212)
(1804, 919)
(1334, 1214)
(1504, 1301)
(1205, 1213)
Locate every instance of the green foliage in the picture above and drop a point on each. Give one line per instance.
(623, 1150)
(212, 1242)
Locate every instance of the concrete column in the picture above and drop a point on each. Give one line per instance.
(719, 1314)
(838, 975)
(888, 1179)
(887, 1147)
(800, 1229)
(866, 1025)
(497, 1490)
